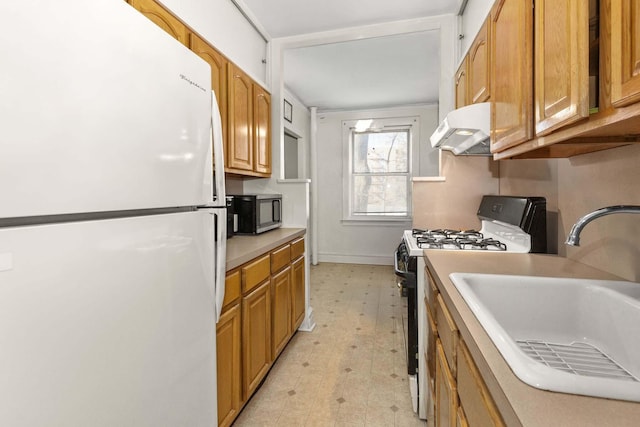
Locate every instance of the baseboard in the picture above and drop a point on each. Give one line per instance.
(356, 259)
(309, 323)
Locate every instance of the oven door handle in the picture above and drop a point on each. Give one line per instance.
(410, 276)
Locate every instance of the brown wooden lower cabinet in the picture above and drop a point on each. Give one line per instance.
(263, 306)
(446, 393)
(297, 293)
(229, 365)
(281, 309)
(461, 396)
(461, 419)
(256, 336)
(479, 408)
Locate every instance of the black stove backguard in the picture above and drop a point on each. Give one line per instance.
(528, 213)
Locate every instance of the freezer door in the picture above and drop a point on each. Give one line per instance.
(103, 113)
(108, 323)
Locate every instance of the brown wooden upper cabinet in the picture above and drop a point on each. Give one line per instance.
(245, 107)
(511, 73)
(249, 142)
(218, 65)
(262, 130)
(561, 56)
(479, 64)
(625, 52)
(163, 19)
(472, 83)
(461, 84)
(586, 63)
(240, 144)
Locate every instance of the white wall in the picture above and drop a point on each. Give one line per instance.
(295, 193)
(223, 25)
(371, 243)
(300, 127)
(472, 19)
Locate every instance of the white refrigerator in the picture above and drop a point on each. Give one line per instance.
(112, 243)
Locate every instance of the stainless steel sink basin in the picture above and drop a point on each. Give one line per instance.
(568, 335)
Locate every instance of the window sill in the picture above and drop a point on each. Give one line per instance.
(378, 221)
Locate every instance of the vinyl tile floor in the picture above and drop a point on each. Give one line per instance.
(350, 370)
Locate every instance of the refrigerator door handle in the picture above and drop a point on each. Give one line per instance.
(218, 150)
(217, 243)
(221, 258)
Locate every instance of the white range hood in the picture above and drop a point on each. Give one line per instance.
(465, 131)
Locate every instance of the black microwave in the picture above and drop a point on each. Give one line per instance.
(256, 213)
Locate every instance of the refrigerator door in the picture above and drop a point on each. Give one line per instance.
(108, 323)
(101, 110)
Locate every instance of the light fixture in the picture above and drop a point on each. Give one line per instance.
(362, 125)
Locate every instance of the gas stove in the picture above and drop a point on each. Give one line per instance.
(491, 237)
(508, 224)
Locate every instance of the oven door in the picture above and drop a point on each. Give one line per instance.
(405, 269)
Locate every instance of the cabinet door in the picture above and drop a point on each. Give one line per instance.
(297, 293)
(229, 365)
(162, 19)
(218, 65)
(561, 63)
(446, 393)
(447, 333)
(479, 62)
(625, 52)
(240, 130)
(479, 407)
(281, 311)
(256, 337)
(262, 130)
(511, 42)
(461, 419)
(461, 84)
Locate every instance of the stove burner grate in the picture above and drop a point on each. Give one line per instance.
(443, 238)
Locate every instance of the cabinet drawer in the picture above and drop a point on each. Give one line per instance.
(447, 332)
(430, 348)
(446, 393)
(478, 405)
(297, 248)
(232, 288)
(255, 273)
(280, 257)
(431, 291)
(430, 402)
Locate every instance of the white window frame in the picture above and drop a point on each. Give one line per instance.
(412, 124)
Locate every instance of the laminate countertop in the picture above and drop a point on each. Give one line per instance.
(519, 403)
(242, 249)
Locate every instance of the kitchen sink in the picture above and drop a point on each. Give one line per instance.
(562, 334)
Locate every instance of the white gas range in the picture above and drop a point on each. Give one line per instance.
(509, 224)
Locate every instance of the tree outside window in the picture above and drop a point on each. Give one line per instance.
(379, 170)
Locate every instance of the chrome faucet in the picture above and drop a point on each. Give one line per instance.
(573, 238)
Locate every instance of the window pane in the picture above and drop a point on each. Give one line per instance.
(380, 195)
(381, 152)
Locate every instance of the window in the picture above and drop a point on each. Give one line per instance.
(377, 181)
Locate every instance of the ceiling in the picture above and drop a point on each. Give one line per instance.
(394, 70)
